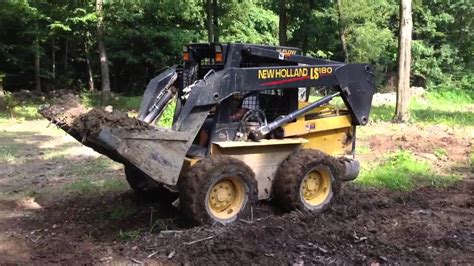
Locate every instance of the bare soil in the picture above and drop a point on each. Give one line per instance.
(365, 226)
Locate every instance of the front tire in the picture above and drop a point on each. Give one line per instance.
(306, 180)
(138, 181)
(218, 189)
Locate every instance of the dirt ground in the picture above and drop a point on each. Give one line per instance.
(49, 214)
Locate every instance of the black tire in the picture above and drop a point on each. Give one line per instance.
(287, 187)
(195, 189)
(138, 181)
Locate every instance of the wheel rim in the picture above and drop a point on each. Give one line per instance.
(315, 187)
(226, 198)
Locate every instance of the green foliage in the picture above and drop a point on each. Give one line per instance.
(144, 37)
(248, 22)
(166, 119)
(403, 171)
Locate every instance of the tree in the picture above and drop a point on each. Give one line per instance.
(209, 21)
(342, 31)
(37, 61)
(283, 23)
(2, 93)
(104, 66)
(404, 63)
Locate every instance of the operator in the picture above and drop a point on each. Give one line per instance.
(250, 102)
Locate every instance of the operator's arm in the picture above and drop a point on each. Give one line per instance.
(239, 114)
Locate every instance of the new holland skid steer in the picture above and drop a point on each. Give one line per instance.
(288, 150)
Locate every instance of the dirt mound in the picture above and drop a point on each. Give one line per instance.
(69, 113)
(63, 110)
(92, 122)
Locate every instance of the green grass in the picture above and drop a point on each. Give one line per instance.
(471, 161)
(129, 235)
(449, 108)
(403, 171)
(7, 155)
(92, 168)
(124, 103)
(122, 212)
(86, 186)
(440, 153)
(10, 151)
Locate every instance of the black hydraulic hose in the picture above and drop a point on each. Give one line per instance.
(262, 131)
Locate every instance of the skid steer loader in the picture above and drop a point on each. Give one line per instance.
(289, 150)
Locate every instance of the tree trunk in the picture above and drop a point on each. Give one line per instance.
(89, 70)
(104, 67)
(66, 48)
(402, 113)
(283, 23)
(37, 62)
(3, 105)
(342, 31)
(209, 22)
(53, 55)
(215, 19)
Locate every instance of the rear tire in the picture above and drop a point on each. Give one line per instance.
(306, 180)
(217, 189)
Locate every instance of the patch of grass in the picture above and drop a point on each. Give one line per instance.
(122, 212)
(449, 108)
(129, 235)
(28, 112)
(450, 98)
(6, 156)
(89, 186)
(435, 116)
(92, 168)
(440, 153)
(471, 161)
(124, 103)
(383, 113)
(363, 150)
(403, 171)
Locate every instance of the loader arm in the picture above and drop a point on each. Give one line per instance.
(354, 82)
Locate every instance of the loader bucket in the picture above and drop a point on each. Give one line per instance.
(157, 152)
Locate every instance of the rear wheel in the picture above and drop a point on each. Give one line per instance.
(218, 189)
(306, 180)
